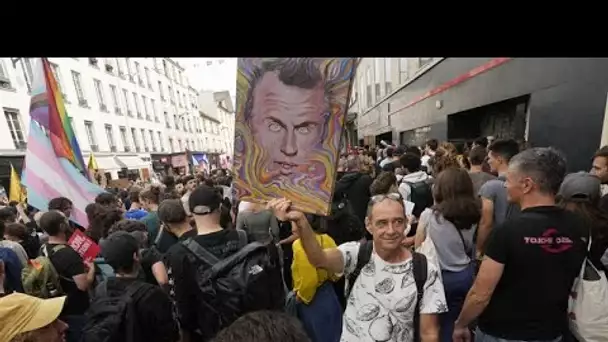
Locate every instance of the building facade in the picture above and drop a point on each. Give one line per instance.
(537, 101)
(122, 110)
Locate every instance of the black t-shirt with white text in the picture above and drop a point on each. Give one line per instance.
(542, 251)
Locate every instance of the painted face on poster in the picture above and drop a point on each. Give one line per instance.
(290, 116)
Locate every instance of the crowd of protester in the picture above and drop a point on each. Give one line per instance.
(448, 242)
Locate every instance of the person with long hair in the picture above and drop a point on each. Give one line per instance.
(450, 224)
(580, 193)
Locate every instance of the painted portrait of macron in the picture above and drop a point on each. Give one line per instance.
(289, 121)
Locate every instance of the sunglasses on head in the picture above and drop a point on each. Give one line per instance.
(379, 198)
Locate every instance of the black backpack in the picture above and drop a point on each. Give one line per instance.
(420, 269)
(421, 194)
(114, 318)
(343, 224)
(249, 280)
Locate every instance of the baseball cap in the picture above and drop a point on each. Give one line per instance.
(580, 186)
(118, 249)
(20, 313)
(204, 200)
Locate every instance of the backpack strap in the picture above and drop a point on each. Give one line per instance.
(201, 253)
(420, 265)
(159, 235)
(243, 240)
(363, 257)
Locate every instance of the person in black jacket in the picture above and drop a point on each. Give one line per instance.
(153, 307)
(354, 185)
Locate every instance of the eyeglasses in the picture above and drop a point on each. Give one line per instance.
(379, 198)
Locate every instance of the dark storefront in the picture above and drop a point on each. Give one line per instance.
(556, 102)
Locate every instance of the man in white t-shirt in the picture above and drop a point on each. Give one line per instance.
(382, 304)
(429, 152)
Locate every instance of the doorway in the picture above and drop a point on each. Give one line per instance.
(502, 120)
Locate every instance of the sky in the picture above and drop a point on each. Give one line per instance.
(215, 74)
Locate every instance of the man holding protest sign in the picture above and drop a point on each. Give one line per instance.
(76, 275)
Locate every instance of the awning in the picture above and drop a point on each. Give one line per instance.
(132, 162)
(106, 163)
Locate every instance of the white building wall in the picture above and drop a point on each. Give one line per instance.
(151, 72)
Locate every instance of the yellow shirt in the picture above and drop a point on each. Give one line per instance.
(306, 278)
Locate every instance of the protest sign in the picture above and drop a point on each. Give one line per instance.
(289, 121)
(83, 245)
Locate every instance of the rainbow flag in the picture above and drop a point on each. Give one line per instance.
(53, 162)
(54, 118)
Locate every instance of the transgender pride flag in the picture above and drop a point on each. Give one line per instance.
(53, 162)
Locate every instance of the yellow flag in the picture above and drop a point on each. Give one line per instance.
(92, 165)
(16, 192)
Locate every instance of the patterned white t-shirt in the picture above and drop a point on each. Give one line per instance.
(382, 303)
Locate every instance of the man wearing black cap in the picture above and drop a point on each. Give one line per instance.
(205, 206)
(154, 311)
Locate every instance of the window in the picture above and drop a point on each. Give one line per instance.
(78, 86)
(179, 78)
(144, 100)
(135, 140)
(403, 71)
(114, 96)
(4, 79)
(377, 74)
(165, 68)
(119, 68)
(368, 86)
(175, 121)
(185, 102)
(147, 72)
(179, 145)
(110, 137)
(152, 141)
(129, 71)
(125, 97)
(144, 139)
(108, 65)
(99, 92)
(160, 90)
(57, 75)
(153, 105)
(135, 100)
(179, 99)
(171, 145)
(388, 85)
(88, 127)
(123, 139)
(26, 64)
(160, 141)
(13, 120)
(189, 125)
(140, 80)
(171, 95)
(187, 144)
(166, 117)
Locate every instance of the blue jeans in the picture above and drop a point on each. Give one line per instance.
(322, 318)
(75, 325)
(480, 336)
(456, 286)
